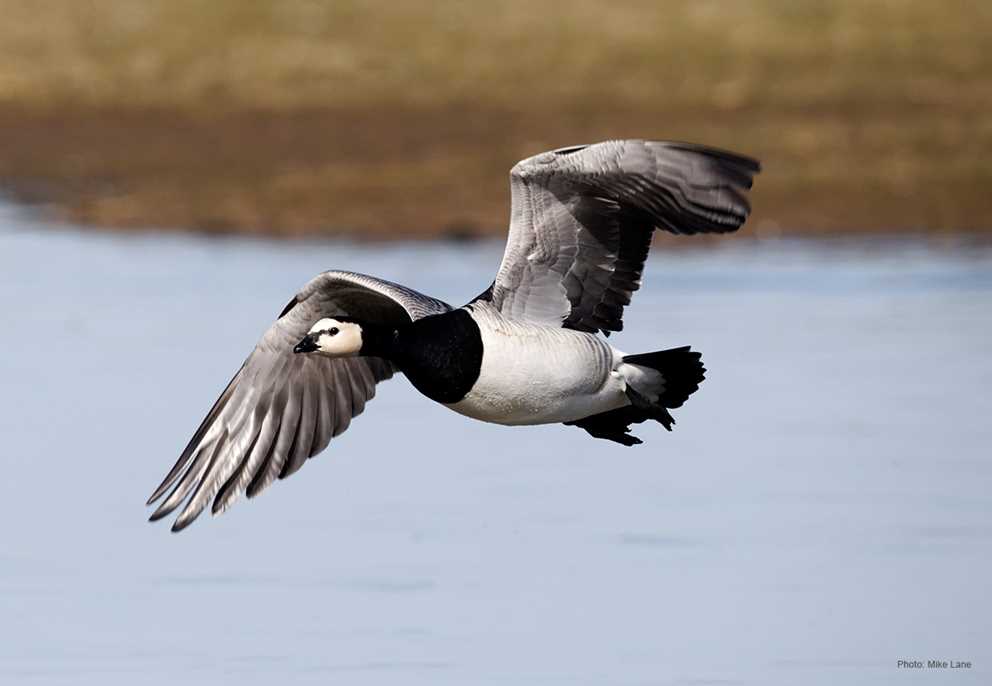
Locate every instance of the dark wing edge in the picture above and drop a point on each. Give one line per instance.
(583, 219)
(281, 408)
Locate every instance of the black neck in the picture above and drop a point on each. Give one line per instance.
(380, 341)
(441, 355)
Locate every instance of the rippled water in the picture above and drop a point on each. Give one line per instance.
(821, 510)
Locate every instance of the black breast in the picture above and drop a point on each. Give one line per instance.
(442, 355)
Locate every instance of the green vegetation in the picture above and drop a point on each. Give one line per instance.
(403, 118)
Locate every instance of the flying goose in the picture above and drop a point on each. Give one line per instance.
(525, 351)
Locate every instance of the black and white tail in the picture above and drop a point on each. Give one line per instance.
(656, 383)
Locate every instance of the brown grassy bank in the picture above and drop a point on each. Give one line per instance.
(299, 117)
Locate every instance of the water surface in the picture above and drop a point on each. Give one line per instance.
(821, 510)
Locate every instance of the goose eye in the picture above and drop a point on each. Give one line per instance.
(334, 331)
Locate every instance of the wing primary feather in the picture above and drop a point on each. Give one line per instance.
(192, 509)
(255, 466)
(233, 475)
(300, 450)
(270, 468)
(230, 491)
(224, 463)
(194, 442)
(189, 480)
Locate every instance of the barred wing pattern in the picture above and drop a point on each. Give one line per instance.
(282, 408)
(583, 218)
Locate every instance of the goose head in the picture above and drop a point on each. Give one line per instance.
(332, 338)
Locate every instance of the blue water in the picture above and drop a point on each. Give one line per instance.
(821, 510)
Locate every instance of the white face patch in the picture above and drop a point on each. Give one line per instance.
(336, 338)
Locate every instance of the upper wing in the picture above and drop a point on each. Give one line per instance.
(281, 408)
(582, 220)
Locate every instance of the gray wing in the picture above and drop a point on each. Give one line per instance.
(282, 408)
(583, 217)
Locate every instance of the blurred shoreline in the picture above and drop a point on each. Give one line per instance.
(281, 174)
(299, 119)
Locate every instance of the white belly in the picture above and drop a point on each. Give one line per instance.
(541, 375)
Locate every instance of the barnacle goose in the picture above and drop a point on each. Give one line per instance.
(525, 351)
